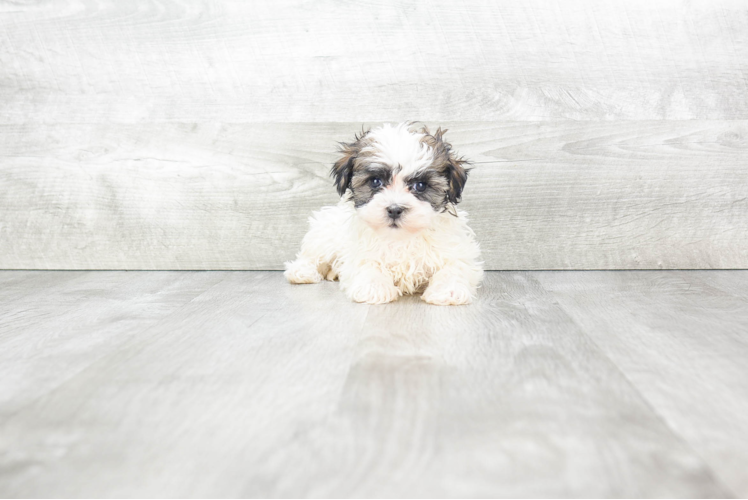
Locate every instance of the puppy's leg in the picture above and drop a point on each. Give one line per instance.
(368, 284)
(319, 249)
(302, 270)
(454, 284)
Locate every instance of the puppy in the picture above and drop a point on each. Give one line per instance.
(396, 229)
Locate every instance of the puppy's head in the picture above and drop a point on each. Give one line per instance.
(399, 179)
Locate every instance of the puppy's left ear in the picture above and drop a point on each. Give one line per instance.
(457, 169)
(457, 176)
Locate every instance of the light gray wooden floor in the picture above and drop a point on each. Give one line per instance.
(629, 383)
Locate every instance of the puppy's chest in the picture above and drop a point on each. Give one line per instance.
(410, 264)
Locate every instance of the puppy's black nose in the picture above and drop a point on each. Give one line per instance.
(395, 211)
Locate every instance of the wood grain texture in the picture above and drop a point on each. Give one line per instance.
(565, 195)
(53, 326)
(259, 388)
(682, 339)
(235, 61)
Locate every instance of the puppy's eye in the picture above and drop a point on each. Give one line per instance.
(375, 183)
(419, 186)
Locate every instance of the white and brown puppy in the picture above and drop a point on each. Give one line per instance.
(396, 229)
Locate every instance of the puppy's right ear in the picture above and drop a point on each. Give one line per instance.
(342, 170)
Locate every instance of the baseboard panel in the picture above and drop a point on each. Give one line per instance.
(559, 195)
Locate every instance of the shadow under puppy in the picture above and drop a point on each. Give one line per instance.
(396, 229)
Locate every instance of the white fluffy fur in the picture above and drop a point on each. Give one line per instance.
(431, 252)
(397, 145)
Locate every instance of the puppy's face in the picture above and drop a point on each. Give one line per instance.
(398, 179)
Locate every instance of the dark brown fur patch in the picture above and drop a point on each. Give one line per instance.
(444, 179)
(342, 170)
(363, 173)
(447, 163)
(436, 187)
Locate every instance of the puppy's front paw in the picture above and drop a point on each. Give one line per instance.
(302, 271)
(373, 292)
(447, 294)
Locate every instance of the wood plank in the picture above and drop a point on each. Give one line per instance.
(15, 285)
(52, 330)
(235, 61)
(246, 381)
(260, 388)
(683, 343)
(566, 195)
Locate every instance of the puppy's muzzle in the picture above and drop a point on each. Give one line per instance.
(394, 212)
